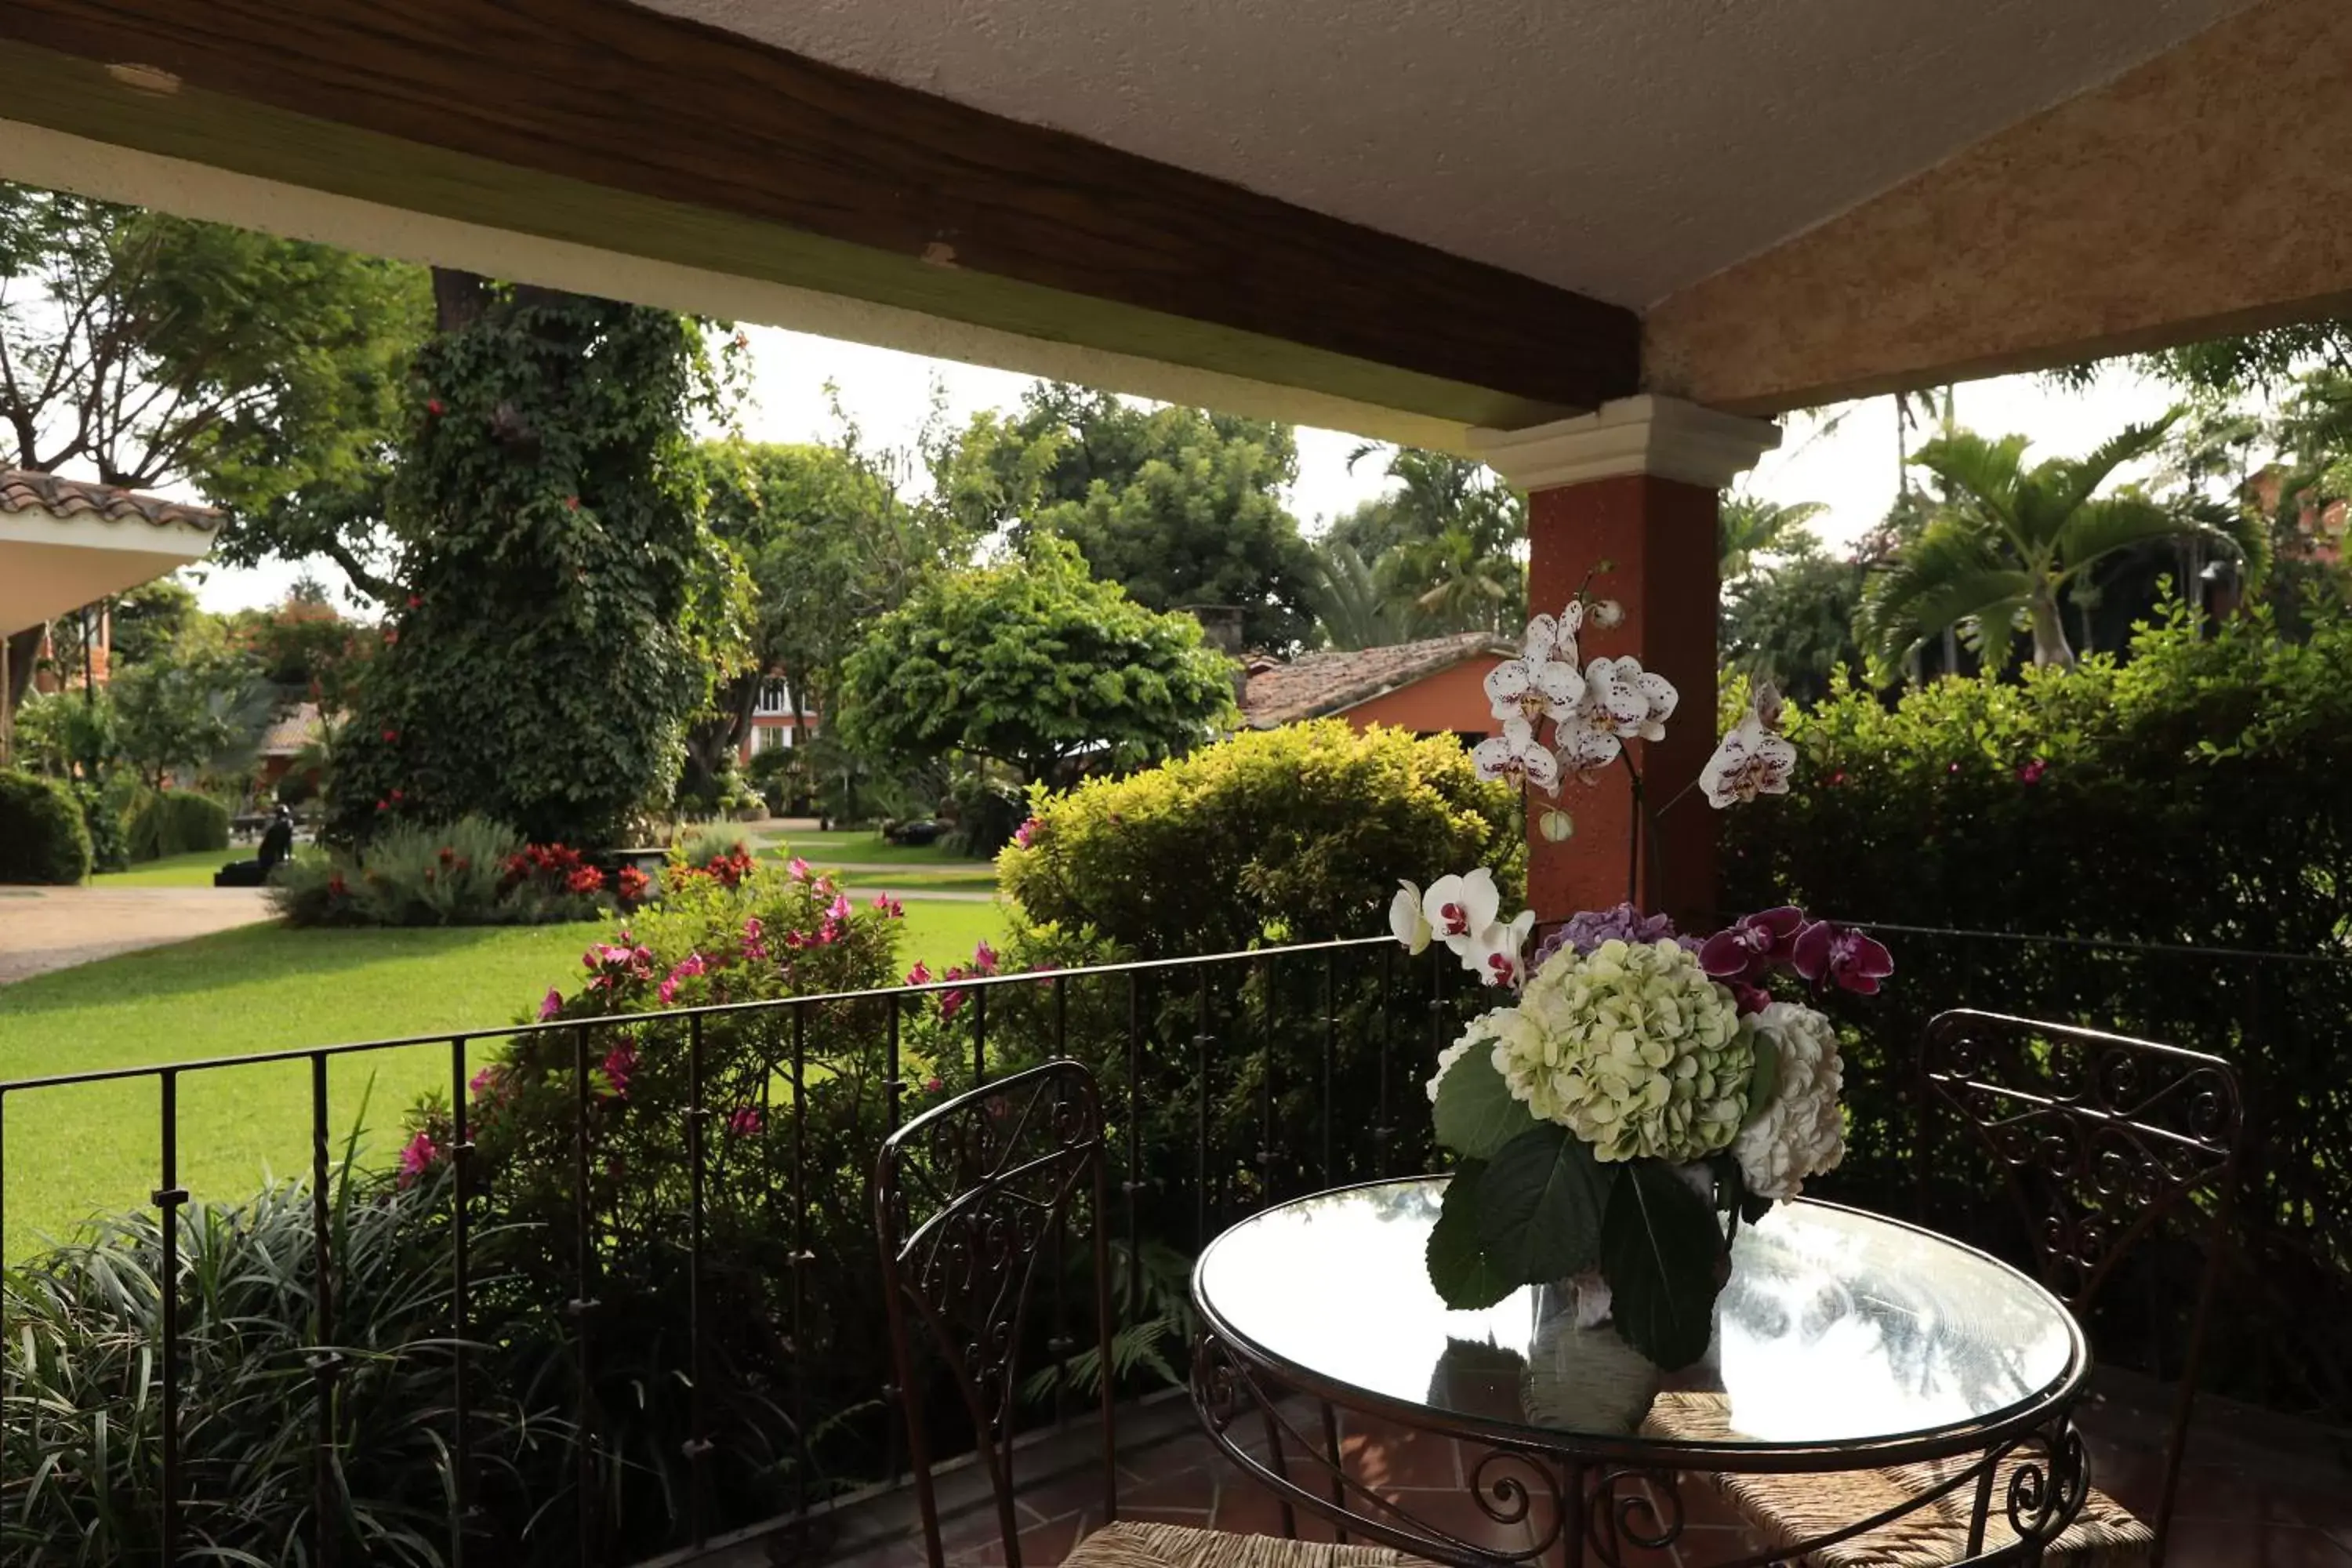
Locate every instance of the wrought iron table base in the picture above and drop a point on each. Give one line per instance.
(1611, 1496)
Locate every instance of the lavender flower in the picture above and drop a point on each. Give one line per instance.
(1586, 930)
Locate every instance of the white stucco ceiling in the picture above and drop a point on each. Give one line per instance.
(1622, 148)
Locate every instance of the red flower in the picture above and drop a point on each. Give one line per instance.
(587, 880)
(631, 884)
(416, 601)
(395, 797)
(392, 737)
(572, 503)
(383, 805)
(436, 407)
(2032, 772)
(337, 887)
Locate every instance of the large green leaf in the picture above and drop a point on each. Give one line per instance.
(1540, 1203)
(1476, 1113)
(1662, 1250)
(1459, 1267)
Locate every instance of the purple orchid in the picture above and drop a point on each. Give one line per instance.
(1754, 947)
(1852, 961)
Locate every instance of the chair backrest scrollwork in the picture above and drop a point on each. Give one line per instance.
(973, 1204)
(2101, 1141)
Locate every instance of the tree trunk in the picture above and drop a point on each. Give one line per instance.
(2049, 631)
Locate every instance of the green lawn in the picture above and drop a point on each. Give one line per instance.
(268, 987)
(191, 871)
(865, 848)
(977, 880)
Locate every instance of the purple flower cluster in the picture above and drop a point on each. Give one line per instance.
(1825, 954)
(1586, 930)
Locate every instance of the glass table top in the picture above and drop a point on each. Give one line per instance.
(1836, 1327)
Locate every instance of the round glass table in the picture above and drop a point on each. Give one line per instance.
(1843, 1342)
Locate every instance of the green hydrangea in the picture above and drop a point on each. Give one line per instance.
(1633, 1049)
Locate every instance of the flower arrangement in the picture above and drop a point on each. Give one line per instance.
(1643, 1093)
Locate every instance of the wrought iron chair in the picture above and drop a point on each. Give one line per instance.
(2099, 1139)
(974, 1202)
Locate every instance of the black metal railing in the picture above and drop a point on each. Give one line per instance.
(644, 1332)
(1234, 1079)
(2282, 1021)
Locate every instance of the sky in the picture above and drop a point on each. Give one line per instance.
(1842, 456)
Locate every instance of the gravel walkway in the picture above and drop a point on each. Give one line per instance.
(42, 929)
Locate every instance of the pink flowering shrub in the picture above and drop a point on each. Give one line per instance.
(606, 1066)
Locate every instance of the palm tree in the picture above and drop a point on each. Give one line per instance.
(1748, 526)
(1459, 560)
(1348, 602)
(2007, 540)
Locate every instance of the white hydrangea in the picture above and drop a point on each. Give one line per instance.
(1455, 1053)
(1800, 1133)
(1633, 1049)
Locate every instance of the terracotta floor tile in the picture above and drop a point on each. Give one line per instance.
(1382, 1454)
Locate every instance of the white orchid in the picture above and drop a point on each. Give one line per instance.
(1497, 956)
(1584, 752)
(1460, 908)
(1529, 691)
(1551, 639)
(1608, 615)
(1516, 757)
(1405, 919)
(1750, 760)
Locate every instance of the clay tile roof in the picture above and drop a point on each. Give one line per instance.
(1319, 683)
(291, 733)
(23, 490)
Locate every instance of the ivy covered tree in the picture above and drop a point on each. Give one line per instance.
(1030, 662)
(564, 610)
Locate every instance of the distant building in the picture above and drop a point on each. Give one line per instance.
(773, 721)
(1434, 687)
(65, 544)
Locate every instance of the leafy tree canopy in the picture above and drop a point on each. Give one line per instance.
(1029, 662)
(1178, 505)
(1791, 623)
(1447, 551)
(151, 349)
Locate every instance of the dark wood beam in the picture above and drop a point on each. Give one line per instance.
(584, 118)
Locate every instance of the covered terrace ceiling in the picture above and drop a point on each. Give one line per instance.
(1409, 219)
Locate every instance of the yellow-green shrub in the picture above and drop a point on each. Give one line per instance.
(1294, 834)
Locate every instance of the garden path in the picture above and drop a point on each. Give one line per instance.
(42, 929)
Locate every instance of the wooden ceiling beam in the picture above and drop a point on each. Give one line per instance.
(603, 123)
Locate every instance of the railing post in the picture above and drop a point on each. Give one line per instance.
(325, 1363)
(461, 1285)
(168, 1196)
(588, 1469)
(697, 1437)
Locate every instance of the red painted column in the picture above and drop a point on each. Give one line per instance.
(1628, 495)
(1657, 538)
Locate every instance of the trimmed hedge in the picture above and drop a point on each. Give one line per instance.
(177, 821)
(2172, 818)
(43, 838)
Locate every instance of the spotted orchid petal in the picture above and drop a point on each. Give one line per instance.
(1515, 757)
(1584, 752)
(1749, 761)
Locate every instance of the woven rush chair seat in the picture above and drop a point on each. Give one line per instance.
(1183, 1546)
(1789, 1510)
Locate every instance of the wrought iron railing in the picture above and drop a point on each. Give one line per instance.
(699, 1335)
(1234, 1079)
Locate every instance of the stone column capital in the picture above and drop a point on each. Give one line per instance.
(1665, 437)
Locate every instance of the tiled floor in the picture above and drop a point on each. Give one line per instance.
(2257, 1494)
